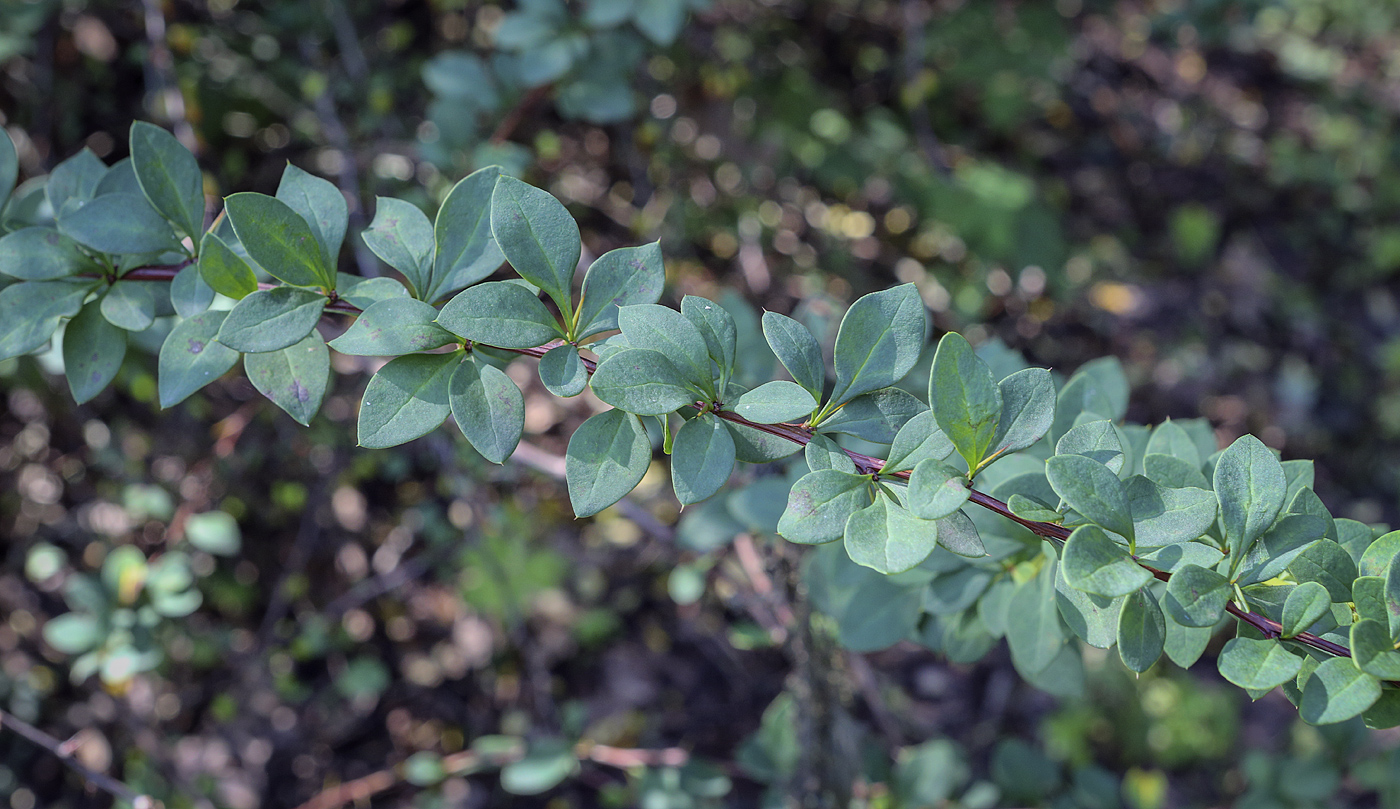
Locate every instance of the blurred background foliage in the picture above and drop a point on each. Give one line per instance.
(229, 610)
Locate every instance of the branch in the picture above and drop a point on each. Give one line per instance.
(64, 751)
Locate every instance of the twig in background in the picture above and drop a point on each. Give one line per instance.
(163, 96)
(64, 751)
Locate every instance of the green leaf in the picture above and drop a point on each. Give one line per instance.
(402, 236)
(74, 179)
(876, 417)
(294, 378)
(1391, 594)
(1328, 564)
(1306, 501)
(1258, 664)
(466, 250)
(820, 503)
(488, 408)
(1099, 387)
(9, 167)
(1092, 617)
(752, 445)
(797, 350)
(965, 398)
(93, 350)
(1196, 596)
(775, 402)
(118, 223)
(702, 459)
(406, 399)
(920, 439)
(500, 314)
(622, 277)
(607, 456)
(936, 490)
(643, 382)
(885, 537)
(224, 270)
(366, 292)
(659, 20)
(958, 534)
(1250, 485)
(190, 357)
(1097, 440)
(322, 206)
(720, 331)
(1368, 597)
(189, 295)
(1385, 713)
(1164, 516)
(119, 179)
(272, 319)
(1027, 410)
(1033, 628)
(1280, 546)
(392, 327)
(74, 633)
(823, 453)
(1374, 561)
(279, 240)
(1142, 630)
(544, 767)
(1091, 489)
(1096, 564)
(31, 310)
(1337, 691)
(1171, 439)
(538, 237)
(668, 332)
(1373, 649)
(169, 176)
(562, 372)
(1305, 605)
(40, 254)
(130, 305)
(214, 532)
(880, 339)
(1185, 644)
(1173, 472)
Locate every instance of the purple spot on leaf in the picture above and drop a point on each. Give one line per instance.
(196, 346)
(300, 392)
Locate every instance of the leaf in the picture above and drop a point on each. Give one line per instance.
(500, 314)
(1173, 472)
(622, 277)
(74, 633)
(1092, 617)
(668, 332)
(797, 350)
(1374, 561)
(607, 456)
(1196, 596)
(885, 537)
(1096, 564)
(93, 350)
(562, 372)
(392, 327)
(1185, 644)
(402, 236)
(130, 305)
(1305, 605)
(1027, 410)
(880, 339)
(1373, 650)
(1098, 387)
(40, 254)
(272, 319)
(190, 358)
(538, 237)
(1033, 621)
(1097, 440)
(1391, 594)
(1306, 501)
(1280, 545)
(1171, 439)
(466, 251)
(1385, 713)
(1163, 516)
(169, 176)
(214, 532)
(936, 490)
(74, 179)
(488, 408)
(322, 206)
(1337, 691)
(118, 223)
(366, 292)
(224, 270)
(189, 295)
(752, 445)
(279, 240)
(545, 766)
(965, 399)
(1258, 664)
(1368, 598)
(775, 402)
(643, 382)
(9, 167)
(958, 534)
(659, 20)
(820, 503)
(1142, 630)
(294, 378)
(720, 331)
(1250, 485)
(920, 439)
(1091, 489)
(823, 453)
(876, 417)
(702, 459)
(406, 399)
(1328, 564)
(31, 310)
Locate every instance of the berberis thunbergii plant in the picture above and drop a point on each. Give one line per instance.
(1143, 538)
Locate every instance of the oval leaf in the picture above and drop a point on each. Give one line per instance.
(965, 398)
(488, 408)
(622, 277)
(294, 378)
(820, 503)
(880, 339)
(642, 382)
(466, 250)
(538, 237)
(272, 319)
(1096, 564)
(392, 327)
(607, 456)
(406, 399)
(93, 350)
(563, 372)
(191, 358)
(500, 314)
(774, 402)
(279, 240)
(702, 459)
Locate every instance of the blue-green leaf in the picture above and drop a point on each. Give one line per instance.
(1142, 630)
(797, 350)
(1096, 564)
(322, 206)
(406, 399)
(118, 223)
(920, 439)
(294, 378)
(820, 503)
(1091, 489)
(169, 176)
(1306, 603)
(1250, 485)
(538, 237)
(607, 456)
(40, 254)
(965, 398)
(1337, 691)
(1164, 516)
(622, 277)
(879, 341)
(643, 382)
(392, 327)
(936, 490)
(9, 167)
(130, 305)
(1373, 649)
(500, 314)
(488, 408)
(191, 358)
(279, 240)
(884, 536)
(1027, 410)
(93, 350)
(774, 402)
(403, 237)
(1258, 664)
(189, 295)
(659, 328)
(466, 250)
(719, 329)
(1196, 596)
(702, 459)
(272, 319)
(563, 372)
(876, 417)
(31, 310)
